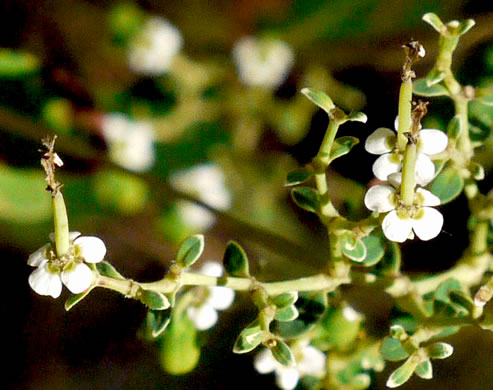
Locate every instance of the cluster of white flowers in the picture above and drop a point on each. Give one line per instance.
(152, 50)
(262, 62)
(401, 221)
(204, 315)
(130, 142)
(51, 272)
(309, 361)
(207, 183)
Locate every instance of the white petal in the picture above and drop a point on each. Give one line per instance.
(92, 249)
(287, 377)
(35, 259)
(395, 228)
(429, 198)
(44, 282)
(204, 317)
(425, 169)
(71, 236)
(381, 141)
(395, 179)
(312, 361)
(380, 198)
(429, 225)
(77, 278)
(432, 141)
(264, 362)
(385, 165)
(221, 298)
(211, 268)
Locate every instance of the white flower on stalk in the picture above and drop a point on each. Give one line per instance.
(383, 142)
(51, 272)
(204, 315)
(130, 142)
(206, 182)
(401, 221)
(262, 62)
(309, 361)
(153, 48)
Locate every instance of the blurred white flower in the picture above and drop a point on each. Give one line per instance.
(382, 141)
(262, 62)
(206, 182)
(401, 221)
(204, 316)
(51, 272)
(130, 142)
(153, 48)
(309, 361)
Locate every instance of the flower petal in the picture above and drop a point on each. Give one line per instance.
(35, 259)
(432, 141)
(381, 141)
(287, 377)
(71, 236)
(395, 228)
(429, 225)
(44, 282)
(312, 360)
(380, 198)
(385, 165)
(221, 298)
(77, 278)
(211, 268)
(425, 169)
(429, 199)
(204, 317)
(91, 249)
(264, 362)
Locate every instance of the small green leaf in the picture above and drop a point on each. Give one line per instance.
(402, 374)
(433, 20)
(461, 298)
(190, 250)
(392, 349)
(297, 177)
(307, 198)
(398, 332)
(439, 350)
(353, 248)
(375, 249)
(484, 95)
(249, 338)
(454, 128)
(465, 26)
(447, 185)
(342, 146)
(14, 64)
(285, 299)
(477, 170)
(434, 77)
(421, 88)
(424, 370)
(158, 320)
(356, 117)
(282, 353)
(287, 314)
(236, 261)
(154, 300)
(106, 269)
(75, 299)
(319, 98)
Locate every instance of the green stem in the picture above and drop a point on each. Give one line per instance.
(404, 126)
(328, 141)
(62, 242)
(408, 175)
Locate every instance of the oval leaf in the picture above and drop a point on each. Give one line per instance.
(356, 117)
(106, 269)
(285, 299)
(392, 349)
(282, 353)
(353, 248)
(421, 88)
(287, 314)
(454, 128)
(75, 299)
(319, 98)
(402, 374)
(297, 177)
(158, 320)
(434, 21)
(439, 350)
(236, 261)
(190, 250)
(342, 146)
(424, 370)
(154, 300)
(249, 338)
(447, 185)
(306, 198)
(375, 249)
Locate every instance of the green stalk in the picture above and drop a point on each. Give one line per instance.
(405, 99)
(408, 175)
(62, 242)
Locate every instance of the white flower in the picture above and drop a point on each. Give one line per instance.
(206, 182)
(130, 142)
(309, 361)
(152, 50)
(382, 141)
(262, 62)
(401, 221)
(51, 272)
(204, 316)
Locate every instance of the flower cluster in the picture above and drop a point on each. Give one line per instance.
(130, 142)
(152, 50)
(204, 315)
(262, 62)
(72, 271)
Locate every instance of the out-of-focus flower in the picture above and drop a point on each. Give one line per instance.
(206, 182)
(204, 315)
(262, 62)
(130, 142)
(51, 272)
(309, 361)
(153, 48)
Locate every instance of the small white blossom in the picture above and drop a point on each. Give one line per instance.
(206, 182)
(130, 142)
(262, 62)
(383, 142)
(204, 316)
(401, 221)
(152, 50)
(309, 361)
(51, 272)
